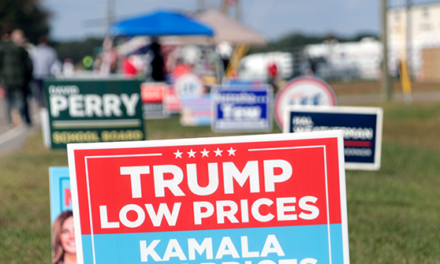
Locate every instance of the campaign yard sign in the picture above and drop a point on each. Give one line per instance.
(267, 199)
(60, 195)
(196, 110)
(362, 128)
(188, 84)
(60, 212)
(241, 108)
(93, 110)
(305, 90)
(153, 99)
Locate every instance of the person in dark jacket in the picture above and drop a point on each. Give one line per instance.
(157, 63)
(15, 74)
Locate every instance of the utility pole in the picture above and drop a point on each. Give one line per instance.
(226, 7)
(237, 11)
(110, 12)
(200, 6)
(409, 44)
(387, 92)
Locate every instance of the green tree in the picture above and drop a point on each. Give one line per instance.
(27, 15)
(297, 40)
(76, 50)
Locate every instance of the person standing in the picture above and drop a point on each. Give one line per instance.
(43, 57)
(157, 63)
(19, 39)
(15, 73)
(272, 72)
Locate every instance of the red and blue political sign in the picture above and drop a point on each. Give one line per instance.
(60, 195)
(362, 128)
(266, 199)
(241, 108)
(62, 231)
(153, 100)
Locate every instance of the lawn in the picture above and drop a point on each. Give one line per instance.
(392, 213)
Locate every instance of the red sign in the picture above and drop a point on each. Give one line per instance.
(153, 92)
(172, 102)
(231, 183)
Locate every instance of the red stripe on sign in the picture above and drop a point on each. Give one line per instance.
(208, 186)
(357, 143)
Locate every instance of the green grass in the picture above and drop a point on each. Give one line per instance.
(393, 214)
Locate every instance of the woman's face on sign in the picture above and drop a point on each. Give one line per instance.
(67, 236)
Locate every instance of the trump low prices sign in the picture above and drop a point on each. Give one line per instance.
(93, 110)
(270, 199)
(361, 126)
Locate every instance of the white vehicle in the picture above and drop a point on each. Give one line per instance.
(255, 66)
(364, 56)
(334, 60)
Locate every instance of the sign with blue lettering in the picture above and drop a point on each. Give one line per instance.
(241, 108)
(362, 128)
(60, 197)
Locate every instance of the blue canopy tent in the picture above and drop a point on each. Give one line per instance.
(160, 23)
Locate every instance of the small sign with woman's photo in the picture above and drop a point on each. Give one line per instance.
(63, 232)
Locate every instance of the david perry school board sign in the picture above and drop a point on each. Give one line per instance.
(270, 199)
(93, 110)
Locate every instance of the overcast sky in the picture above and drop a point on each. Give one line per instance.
(77, 19)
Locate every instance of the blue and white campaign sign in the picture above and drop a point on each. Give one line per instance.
(362, 128)
(60, 195)
(241, 108)
(303, 91)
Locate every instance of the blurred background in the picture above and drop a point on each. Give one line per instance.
(337, 40)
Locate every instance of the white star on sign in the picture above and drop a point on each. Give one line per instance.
(232, 151)
(178, 154)
(191, 153)
(204, 153)
(218, 152)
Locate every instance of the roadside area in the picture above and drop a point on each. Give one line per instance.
(13, 138)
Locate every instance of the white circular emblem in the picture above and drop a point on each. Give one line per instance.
(188, 84)
(303, 91)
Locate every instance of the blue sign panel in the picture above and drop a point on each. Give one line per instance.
(60, 196)
(362, 128)
(241, 108)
